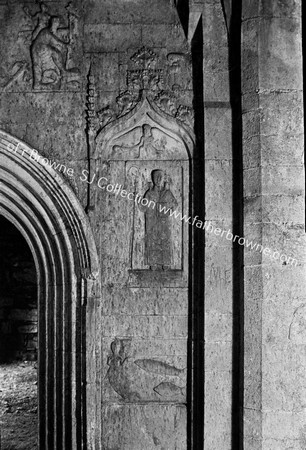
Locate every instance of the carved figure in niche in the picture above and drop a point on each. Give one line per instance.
(42, 18)
(126, 375)
(158, 242)
(49, 55)
(148, 142)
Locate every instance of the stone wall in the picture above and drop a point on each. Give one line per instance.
(274, 199)
(141, 87)
(132, 102)
(107, 92)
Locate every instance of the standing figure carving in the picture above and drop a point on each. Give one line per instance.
(158, 241)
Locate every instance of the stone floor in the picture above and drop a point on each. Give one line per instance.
(18, 406)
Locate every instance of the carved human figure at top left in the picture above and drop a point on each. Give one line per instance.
(49, 55)
(42, 18)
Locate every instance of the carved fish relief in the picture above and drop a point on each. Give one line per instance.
(166, 389)
(159, 367)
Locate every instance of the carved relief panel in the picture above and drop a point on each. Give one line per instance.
(143, 144)
(143, 379)
(47, 52)
(155, 152)
(147, 137)
(156, 233)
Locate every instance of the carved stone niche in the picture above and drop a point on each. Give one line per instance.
(157, 153)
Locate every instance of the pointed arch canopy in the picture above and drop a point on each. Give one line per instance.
(146, 112)
(37, 200)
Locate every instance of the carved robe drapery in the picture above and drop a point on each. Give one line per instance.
(158, 242)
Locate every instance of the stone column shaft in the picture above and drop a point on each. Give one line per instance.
(274, 216)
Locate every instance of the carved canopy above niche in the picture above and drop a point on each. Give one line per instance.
(145, 133)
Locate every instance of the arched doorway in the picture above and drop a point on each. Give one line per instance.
(18, 340)
(18, 297)
(35, 198)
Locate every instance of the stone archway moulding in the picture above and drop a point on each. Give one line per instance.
(36, 199)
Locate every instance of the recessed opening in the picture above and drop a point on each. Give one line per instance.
(18, 341)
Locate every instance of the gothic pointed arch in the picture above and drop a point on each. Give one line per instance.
(146, 112)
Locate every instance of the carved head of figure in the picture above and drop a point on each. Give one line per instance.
(43, 7)
(146, 130)
(158, 178)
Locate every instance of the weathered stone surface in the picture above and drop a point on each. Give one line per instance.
(111, 37)
(49, 130)
(274, 214)
(270, 8)
(272, 180)
(217, 119)
(215, 54)
(282, 55)
(218, 182)
(284, 359)
(218, 386)
(137, 11)
(137, 75)
(285, 244)
(274, 150)
(218, 357)
(105, 69)
(155, 326)
(218, 286)
(135, 427)
(275, 208)
(249, 56)
(159, 35)
(150, 302)
(221, 331)
(218, 214)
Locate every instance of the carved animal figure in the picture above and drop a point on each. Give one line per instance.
(118, 373)
(123, 377)
(159, 367)
(169, 390)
